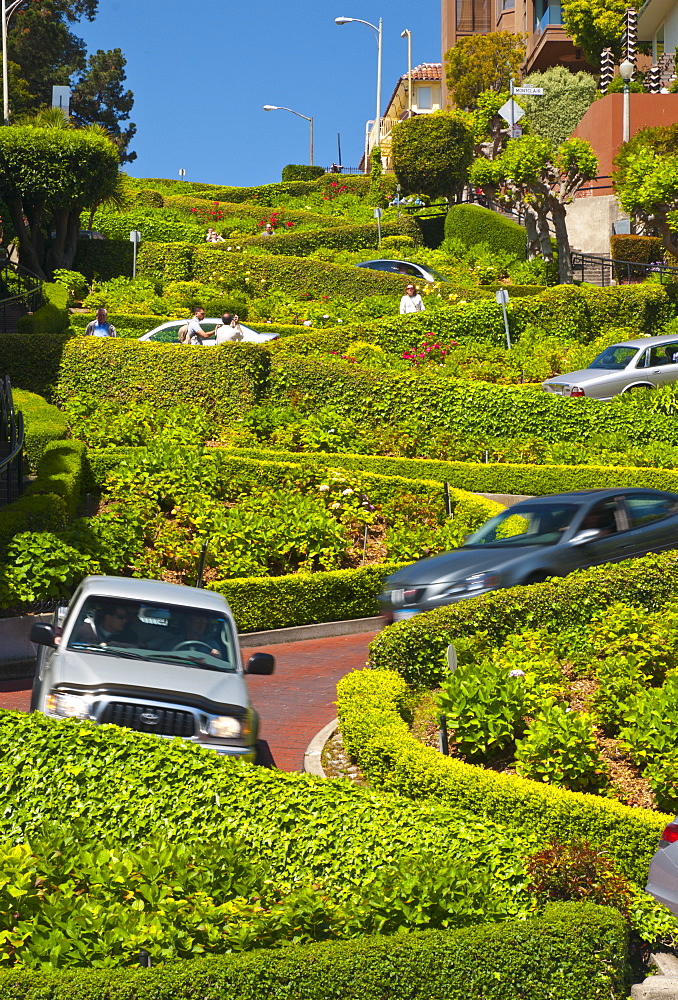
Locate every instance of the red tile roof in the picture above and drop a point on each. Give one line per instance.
(426, 71)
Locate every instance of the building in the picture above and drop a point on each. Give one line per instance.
(547, 44)
(426, 98)
(658, 24)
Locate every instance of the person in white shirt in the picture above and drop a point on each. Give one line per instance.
(196, 334)
(411, 301)
(230, 329)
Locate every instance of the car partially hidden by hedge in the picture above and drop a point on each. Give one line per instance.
(149, 656)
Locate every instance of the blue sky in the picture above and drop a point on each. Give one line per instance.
(202, 71)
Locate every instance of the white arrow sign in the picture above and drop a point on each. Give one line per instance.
(505, 112)
(531, 91)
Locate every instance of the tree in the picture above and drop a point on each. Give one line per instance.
(595, 24)
(490, 131)
(432, 153)
(646, 181)
(99, 99)
(530, 175)
(48, 175)
(20, 97)
(566, 98)
(482, 62)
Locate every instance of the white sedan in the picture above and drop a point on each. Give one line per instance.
(168, 333)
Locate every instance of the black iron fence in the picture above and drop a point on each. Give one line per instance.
(603, 270)
(20, 293)
(11, 446)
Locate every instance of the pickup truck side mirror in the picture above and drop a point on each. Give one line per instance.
(260, 663)
(42, 634)
(588, 535)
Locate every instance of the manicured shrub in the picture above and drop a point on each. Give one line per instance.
(147, 196)
(559, 748)
(301, 172)
(577, 950)
(374, 733)
(473, 224)
(42, 423)
(166, 261)
(300, 244)
(52, 317)
(104, 259)
(637, 249)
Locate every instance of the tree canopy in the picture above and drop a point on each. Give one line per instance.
(99, 99)
(595, 24)
(48, 175)
(646, 181)
(531, 175)
(482, 62)
(432, 153)
(567, 96)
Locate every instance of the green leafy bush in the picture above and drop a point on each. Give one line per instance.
(364, 237)
(559, 748)
(42, 423)
(576, 871)
(105, 259)
(50, 318)
(301, 172)
(473, 224)
(484, 707)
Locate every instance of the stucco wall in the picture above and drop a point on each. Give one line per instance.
(602, 124)
(589, 223)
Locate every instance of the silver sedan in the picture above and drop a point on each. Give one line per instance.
(646, 363)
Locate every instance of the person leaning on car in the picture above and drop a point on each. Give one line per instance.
(100, 327)
(195, 333)
(411, 301)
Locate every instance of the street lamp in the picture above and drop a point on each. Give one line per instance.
(274, 107)
(378, 33)
(626, 71)
(6, 13)
(408, 35)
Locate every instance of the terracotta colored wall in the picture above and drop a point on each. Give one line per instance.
(602, 124)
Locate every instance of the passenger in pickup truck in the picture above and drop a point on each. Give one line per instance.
(110, 624)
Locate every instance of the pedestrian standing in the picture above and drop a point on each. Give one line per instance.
(411, 301)
(195, 333)
(100, 327)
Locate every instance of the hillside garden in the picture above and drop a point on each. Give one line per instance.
(310, 467)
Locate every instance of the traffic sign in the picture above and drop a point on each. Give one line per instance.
(515, 131)
(378, 212)
(529, 91)
(511, 112)
(502, 296)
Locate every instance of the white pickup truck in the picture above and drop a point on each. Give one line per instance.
(149, 656)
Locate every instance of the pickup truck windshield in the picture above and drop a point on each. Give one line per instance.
(154, 632)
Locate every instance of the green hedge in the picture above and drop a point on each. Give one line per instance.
(375, 734)
(52, 317)
(473, 224)
(32, 362)
(42, 423)
(51, 498)
(576, 951)
(639, 249)
(166, 261)
(496, 477)
(301, 172)
(260, 603)
(258, 213)
(104, 259)
(221, 379)
(131, 326)
(295, 275)
(300, 244)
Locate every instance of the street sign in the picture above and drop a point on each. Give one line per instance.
(378, 212)
(529, 91)
(451, 659)
(61, 98)
(502, 296)
(515, 131)
(135, 236)
(511, 112)
(182, 172)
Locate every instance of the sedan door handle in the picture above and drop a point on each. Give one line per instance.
(656, 371)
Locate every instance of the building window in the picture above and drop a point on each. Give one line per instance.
(473, 16)
(424, 98)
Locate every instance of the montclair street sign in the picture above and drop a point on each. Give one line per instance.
(529, 91)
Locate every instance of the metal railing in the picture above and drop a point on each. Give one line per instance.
(618, 270)
(20, 293)
(11, 446)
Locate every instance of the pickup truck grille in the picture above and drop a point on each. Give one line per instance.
(150, 719)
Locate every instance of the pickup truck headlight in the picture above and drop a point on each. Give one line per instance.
(475, 584)
(225, 727)
(68, 706)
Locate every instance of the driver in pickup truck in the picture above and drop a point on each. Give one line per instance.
(196, 630)
(109, 625)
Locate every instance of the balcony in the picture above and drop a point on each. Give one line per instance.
(552, 17)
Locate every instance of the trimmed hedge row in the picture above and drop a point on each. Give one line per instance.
(42, 423)
(223, 380)
(260, 603)
(366, 236)
(473, 224)
(572, 950)
(375, 734)
(243, 210)
(104, 259)
(496, 477)
(52, 317)
(51, 498)
(131, 326)
(301, 172)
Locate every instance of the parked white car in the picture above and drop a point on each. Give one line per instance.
(645, 363)
(168, 333)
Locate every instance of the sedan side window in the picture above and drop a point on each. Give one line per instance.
(167, 336)
(647, 508)
(603, 518)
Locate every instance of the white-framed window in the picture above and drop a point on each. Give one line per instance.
(424, 98)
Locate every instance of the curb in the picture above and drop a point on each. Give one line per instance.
(298, 633)
(313, 753)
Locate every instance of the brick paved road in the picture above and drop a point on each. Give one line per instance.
(294, 703)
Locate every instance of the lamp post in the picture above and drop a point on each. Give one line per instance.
(626, 71)
(274, 107)
(6, 13)
(408, 35)
(378, 33)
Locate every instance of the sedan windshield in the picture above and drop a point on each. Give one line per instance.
(154, 632)
(528, 525)
(614, 358)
